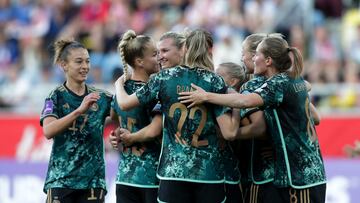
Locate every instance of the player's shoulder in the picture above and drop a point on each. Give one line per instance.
(92, 89)
(57, 90)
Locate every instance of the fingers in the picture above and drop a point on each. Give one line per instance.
(185, 93)
(195, 86)
(183, 97)
(186, 101)
(191, 105)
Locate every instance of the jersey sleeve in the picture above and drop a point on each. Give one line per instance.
(50, 108)
(220, 88)
(272, 92)
(150, 91)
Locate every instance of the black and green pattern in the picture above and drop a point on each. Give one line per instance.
(137, 163)
(190, 149)
(298, 161)
(77, 156)
(262, 152)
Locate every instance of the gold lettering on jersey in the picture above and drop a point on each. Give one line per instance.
(183, 114)
(92, 196)
(309, 124)
(298, 87)
(182, 88)
(195, 139)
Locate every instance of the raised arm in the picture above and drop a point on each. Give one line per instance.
(53, 126)
(234, 100)
(125, 101)
(147, 133)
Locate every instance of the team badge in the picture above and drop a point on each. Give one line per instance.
(66, 106)
(94, 107)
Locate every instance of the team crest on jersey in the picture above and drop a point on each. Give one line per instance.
(94, 107)
(66, 106)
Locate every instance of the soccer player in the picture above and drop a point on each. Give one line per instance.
(234, 76)
(74, 116)
(136, 180)
(170, 54)
(190, 168)
(299, 169)
(171, 49)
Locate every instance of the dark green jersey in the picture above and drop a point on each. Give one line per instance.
(77, 156)
(190, 149)
(298, 160)
(231, 163)
(137, 163)
(262, 152)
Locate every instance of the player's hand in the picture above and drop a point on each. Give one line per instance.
(114, 139)
(193, 97)
(88, 101)
(125, 137)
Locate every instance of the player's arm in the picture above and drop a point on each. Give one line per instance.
(256, 127)
(125, 101)
(229, 124)
(234, 100)
(147, 133)
(53, 126)
(315, 114)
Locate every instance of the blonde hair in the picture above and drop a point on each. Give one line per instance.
(237, 71)
(130, 47)
(62, 49)
(199, 44)
(179, 39)
(278, 50)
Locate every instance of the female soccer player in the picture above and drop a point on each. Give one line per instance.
(234, 76)
(136, 180)
(74, 116)
(170, 54)
(299, 169)
(190, 168)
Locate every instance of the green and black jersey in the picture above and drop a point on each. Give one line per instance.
(298, 162)
(262, 152)
(77, 156)
(137, 163)
(190, 149)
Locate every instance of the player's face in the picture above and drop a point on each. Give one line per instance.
(77, 66)
(169, 54)
(247, 56)
(150, 59)
(259, 61)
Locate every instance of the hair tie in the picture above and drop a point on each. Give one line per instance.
(288, 49)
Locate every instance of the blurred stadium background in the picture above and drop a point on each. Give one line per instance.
(326, 31)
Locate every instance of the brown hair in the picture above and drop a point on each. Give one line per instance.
(278, 50)
(62, 49)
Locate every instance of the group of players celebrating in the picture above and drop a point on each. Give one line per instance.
(245, 133)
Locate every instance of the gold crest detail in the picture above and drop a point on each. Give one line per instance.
(95, 107)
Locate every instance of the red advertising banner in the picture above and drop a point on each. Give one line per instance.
(21, 137)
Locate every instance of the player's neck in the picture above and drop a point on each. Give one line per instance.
(139, 75)
(77, 88)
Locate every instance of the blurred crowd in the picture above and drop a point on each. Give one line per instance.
(326, 31)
